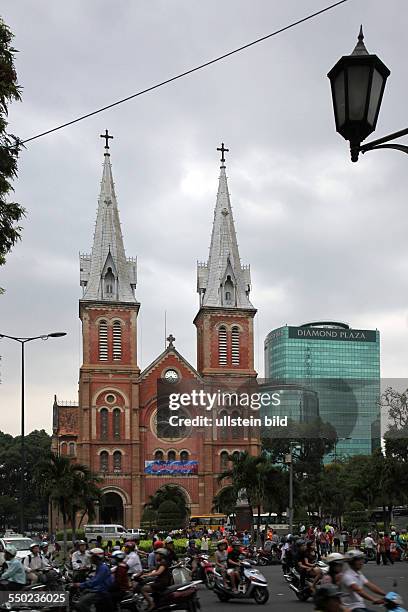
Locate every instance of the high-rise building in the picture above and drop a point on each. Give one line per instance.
(342, 365)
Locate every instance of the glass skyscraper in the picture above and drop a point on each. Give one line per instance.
(340, 364)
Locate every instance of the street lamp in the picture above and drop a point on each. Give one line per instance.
(289, 461)
(23, 342)
(357, 84)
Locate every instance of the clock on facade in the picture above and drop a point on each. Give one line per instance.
(171, 375)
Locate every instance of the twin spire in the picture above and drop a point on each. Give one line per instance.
(108, 275)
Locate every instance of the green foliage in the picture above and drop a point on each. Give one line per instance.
(225, 501)
(10, 212)
(37, 447)
(170, 516)
(356, 518)
(79, 535)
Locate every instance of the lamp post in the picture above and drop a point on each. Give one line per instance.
(357, 84)
(23, 342)
(289, 461)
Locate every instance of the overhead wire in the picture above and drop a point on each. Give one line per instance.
(185, 73)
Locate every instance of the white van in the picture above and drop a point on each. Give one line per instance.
(107, 532)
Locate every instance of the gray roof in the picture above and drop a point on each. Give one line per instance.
(223, 276)
(108, 253)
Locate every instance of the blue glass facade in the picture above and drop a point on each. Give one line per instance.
(342, 366)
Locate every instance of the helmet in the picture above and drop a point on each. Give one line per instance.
(394, 598)
(323, 593)
(393, 533)
(191, 542)
(158, 544)
(354, 554)
(116, 548)
(80, 542)
(119, 555)
(162, 551)
(11, 550)
(335, 558)
(33, 545)
(43, 544)
(97, 552)
(130, 544)
(168, 540)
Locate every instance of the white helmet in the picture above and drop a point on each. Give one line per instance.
(11, 550)
(354, 554)
(168, 540)
(335, 558)
(97, 552)
(118, 554)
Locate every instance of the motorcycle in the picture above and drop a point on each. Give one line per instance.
(182, 596)
(303, 592)
(252, 585)
(205, 571)
(270, 557)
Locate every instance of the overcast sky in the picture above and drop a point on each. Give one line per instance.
(325, 238)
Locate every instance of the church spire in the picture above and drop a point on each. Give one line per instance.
(106, 274)
(223, 281)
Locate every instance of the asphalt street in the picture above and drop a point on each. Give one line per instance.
(281, 598)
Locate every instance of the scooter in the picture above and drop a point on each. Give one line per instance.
(252, 585)
(295, 583)
(176, 597)
(205, 571)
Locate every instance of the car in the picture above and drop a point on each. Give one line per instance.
(141, 533)
(20, 542)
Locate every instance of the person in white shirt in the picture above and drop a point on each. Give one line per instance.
(354, 585)
(132, 559)
(369, 547)
(80, 561)
(204, 544)
(34, 562)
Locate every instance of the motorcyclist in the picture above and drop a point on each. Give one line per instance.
(34, 563)
(80, 561)
(355, 584)
(328, 599)
(303, 565)
(14, 577)
(221, 556)
(162, 575)
(169, 545)
(120, 575)
(98, 588)
(233, 565)
(132, 559)
(192, 552)
(151, 559)
(335, 562)
(392, 601)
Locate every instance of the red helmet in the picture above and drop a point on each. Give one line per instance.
(158, 544)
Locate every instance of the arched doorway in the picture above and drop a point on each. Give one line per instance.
(111, 509)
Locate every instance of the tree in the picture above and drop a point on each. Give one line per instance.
(172, 494)
(10, 212)
(170, 516)
(356, 518)
(65, 484)
(225, 501)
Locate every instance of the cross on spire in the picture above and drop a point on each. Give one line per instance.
(170, 339)
(223, 150)
(106, 136)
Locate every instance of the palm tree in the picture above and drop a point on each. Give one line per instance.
(67, 485)
(254, 474)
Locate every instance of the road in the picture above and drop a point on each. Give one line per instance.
(283, 599)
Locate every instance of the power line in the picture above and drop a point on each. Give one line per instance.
(187, 72)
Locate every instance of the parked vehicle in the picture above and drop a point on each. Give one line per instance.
(20, 542)
(107, 532)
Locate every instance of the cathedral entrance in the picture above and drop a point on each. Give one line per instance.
(111, 509)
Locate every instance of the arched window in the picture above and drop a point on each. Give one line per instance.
(184, 456)
(104, 415)
(229, 292)
(235, 345)
(71, 447)
(158, 455)
(235, 429)
(63, 448)
(116, 423)
(171, 455)
(224, 461)
(236, 455)
(104, 461)
(117, 341)
(103, 341)
(222, 345)
(109, 283)
(117, 461)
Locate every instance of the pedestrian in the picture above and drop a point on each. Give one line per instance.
(387, 545)
(381, 554)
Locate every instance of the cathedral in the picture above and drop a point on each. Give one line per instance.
(114, 427)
